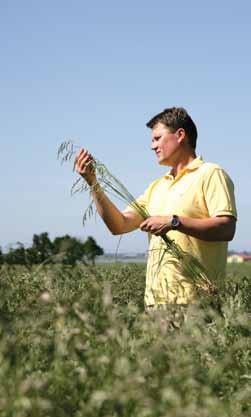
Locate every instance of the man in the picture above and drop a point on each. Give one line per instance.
(194, 203)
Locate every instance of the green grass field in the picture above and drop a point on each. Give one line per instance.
(240, 270)
(76, 342)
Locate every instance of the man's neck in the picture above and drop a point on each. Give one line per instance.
(182, 163)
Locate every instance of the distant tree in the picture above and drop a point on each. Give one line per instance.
(16, 256)
(32, 256)
(1, 256)
(41, 249)
(64, 249)
(68, 250)
(92, 250)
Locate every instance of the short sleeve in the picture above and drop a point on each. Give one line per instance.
(219, 195)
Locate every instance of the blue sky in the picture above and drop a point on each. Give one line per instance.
(96, 72)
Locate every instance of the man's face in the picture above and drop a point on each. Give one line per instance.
(166, 144)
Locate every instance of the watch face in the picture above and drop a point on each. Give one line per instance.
(175, 222)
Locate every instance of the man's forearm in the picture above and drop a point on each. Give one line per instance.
(220, 228)
(111, 215)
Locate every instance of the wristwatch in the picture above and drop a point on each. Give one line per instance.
(175, 222)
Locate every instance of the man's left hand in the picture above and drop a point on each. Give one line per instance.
(157, 225)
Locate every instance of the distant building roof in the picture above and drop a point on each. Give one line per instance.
(246, 257)
(239, 257)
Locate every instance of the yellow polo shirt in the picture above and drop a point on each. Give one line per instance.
(201, 190)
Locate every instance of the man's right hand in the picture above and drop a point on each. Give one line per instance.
(83, 165)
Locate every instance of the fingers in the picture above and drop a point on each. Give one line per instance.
(155, 225)
(79, 157)
(145, 226)
(142, 225)
(83, 155)
(83, 160)
(84, 166)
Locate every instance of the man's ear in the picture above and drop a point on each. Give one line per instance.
(181, 135)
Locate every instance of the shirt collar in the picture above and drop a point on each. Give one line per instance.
(195, 164)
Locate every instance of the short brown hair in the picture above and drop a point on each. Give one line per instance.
(175, 118)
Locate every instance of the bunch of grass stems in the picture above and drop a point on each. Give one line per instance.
(189, 265)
